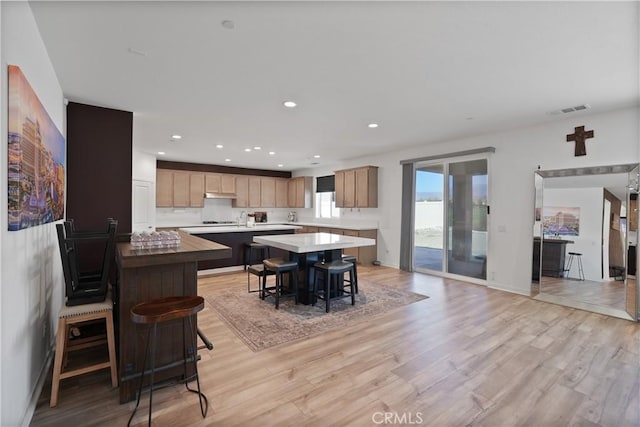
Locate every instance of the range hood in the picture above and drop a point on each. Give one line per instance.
(220, 195)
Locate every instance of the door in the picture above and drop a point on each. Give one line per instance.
(450, 218)
(143, 206)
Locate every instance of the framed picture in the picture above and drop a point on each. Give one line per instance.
(36, 158)
(561, 221)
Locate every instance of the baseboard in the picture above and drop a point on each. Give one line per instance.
(33, 402)
(510, 290)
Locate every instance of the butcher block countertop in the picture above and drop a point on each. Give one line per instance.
(192, 248)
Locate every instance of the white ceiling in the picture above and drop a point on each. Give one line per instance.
(425, 71)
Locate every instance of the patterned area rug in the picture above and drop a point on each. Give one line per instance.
(261, 326)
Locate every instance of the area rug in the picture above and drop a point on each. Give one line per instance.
(261, 326)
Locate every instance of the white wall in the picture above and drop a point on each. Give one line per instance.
(518, 154)
(589, 241)
(32, 283)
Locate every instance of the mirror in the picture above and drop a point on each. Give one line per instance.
(584, 239)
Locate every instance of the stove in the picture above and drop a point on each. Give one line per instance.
(218, 222)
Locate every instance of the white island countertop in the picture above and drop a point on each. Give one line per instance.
(313, 242)
(238, 229)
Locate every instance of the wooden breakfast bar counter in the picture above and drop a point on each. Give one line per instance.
(146, 274)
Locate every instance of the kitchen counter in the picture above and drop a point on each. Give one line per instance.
(352, 226)
(146, 274)
(238, 229)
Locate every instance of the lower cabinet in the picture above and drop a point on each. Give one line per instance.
(236, 242)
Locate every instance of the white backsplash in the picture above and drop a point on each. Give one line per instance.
(214, 210)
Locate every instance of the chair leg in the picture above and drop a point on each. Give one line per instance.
(57, 364)
(327, 291)
(192, 352)
(354, 277)
(153, 368)
(144, 366)
(278, 288)
(315, 288)
(353, 287)
(111, 343)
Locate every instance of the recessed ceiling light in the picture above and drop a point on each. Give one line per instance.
(280, 165)
(162, 153)
(257, 148)
(227, 160)
(176, 136)
(229, 25)
(136, 52)
(289, 104)
(372, 125)
(271, 153)
(316, 156)
(247, 149)
(219, 145)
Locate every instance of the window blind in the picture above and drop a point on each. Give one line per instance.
(325, 184)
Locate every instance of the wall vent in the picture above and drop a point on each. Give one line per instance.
(569, 109)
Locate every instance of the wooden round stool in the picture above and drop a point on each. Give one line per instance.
(162, 310)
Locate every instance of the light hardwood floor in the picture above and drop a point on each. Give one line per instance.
(609, 293)
(466, 356)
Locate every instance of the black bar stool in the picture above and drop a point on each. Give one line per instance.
(257, 270)
(352, 276)
(251, 248)
(279, 267)
(332, 274)
(578, 257)
(162, 310)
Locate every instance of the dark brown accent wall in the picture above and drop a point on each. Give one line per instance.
(99, 159)
(199, 167)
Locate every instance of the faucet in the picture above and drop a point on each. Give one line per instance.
(242, 217)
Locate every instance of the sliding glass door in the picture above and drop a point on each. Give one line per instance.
(450, 218)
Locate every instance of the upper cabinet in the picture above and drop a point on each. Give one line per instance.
(254, 192)
(357, 187)
(196, 190)
(282, 193)
(164, 188)
(220, 183)
(267, 192)
(242, 192)
(300, 191)
(180, 189)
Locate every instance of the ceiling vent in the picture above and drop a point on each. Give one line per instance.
(570, 109)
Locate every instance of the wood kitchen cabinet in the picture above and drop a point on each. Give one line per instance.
(254, 192)
(196, 190)
(220, 183)
(300, 192)
(267, 192)
(180, 189)
(282, 193)
(164, 188)
(357, 188)
(242, 192)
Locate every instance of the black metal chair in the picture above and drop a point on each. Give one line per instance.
(334, 285)
(279, 267)
(85, 287)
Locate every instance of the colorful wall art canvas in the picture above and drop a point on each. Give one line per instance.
(36, 158)
(561, 221)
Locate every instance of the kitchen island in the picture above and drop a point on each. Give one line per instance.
(309, 248)
(235, 238)
(146, 274)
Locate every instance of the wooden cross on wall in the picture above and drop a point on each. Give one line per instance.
(580, 136)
